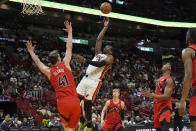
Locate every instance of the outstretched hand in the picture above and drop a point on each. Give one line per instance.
(181, 106)
(68, 26)
(147, 93)
(106, 21)
(29, 46)
(79, 58)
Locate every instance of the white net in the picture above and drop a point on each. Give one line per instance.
(32, 7)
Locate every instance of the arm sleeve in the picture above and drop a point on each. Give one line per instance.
(96, 63)
(122, 115)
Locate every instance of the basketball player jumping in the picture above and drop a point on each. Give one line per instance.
(115, 113)
(61, 77)
(90, 84)
(189, 59)
(162, 99)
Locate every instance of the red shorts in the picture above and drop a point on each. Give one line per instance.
(161, 113)
(69, 111)
(106, 126)
(192, 106)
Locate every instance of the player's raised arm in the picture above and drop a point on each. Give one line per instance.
(104, 111)
(188, 65)
(69, 45)
(100, 37)
(43, 68)
(167, 92)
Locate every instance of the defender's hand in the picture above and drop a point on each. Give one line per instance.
(68, 26)
(79, 58)
(29, 46)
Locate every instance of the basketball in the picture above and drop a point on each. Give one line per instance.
(106, 8)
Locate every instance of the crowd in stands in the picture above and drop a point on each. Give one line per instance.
(22, 82)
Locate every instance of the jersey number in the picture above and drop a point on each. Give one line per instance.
(63, 81)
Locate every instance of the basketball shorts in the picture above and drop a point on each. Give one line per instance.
(88, 88)
(161, 113)
(192, 108)
(69, 111)
(114, 127)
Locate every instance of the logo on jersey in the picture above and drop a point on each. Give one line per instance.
(99, 57)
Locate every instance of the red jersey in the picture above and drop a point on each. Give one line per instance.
(194, 67)
(160, 87)
(192, 106)
(113, 113)
(63, 82)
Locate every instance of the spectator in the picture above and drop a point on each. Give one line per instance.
(16, 123)
(25, 122)
(6, 123)
(95, 126)
(147, 120)
(54, 122)
(30, 117)
(132, 122)
(32, 123)
(46, 120)
(137, 119)
(1, 116)
(27, 94)
(94, 115)
(98, 123)
(126, 121)
(45, 110)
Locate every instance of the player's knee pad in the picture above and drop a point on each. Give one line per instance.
(88, 109)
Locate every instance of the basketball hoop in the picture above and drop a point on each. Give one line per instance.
(32, 7)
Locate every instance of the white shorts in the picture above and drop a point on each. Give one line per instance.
(88, 88)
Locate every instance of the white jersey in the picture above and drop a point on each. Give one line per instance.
(94, 72)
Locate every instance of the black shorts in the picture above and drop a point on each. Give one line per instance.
(192, 118)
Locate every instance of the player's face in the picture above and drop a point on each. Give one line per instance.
(55, 118)
(107, 49)
(116, 93)
(7, 118)
(166, 67)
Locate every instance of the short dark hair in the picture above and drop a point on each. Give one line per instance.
(192, 35)
(53, 57)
